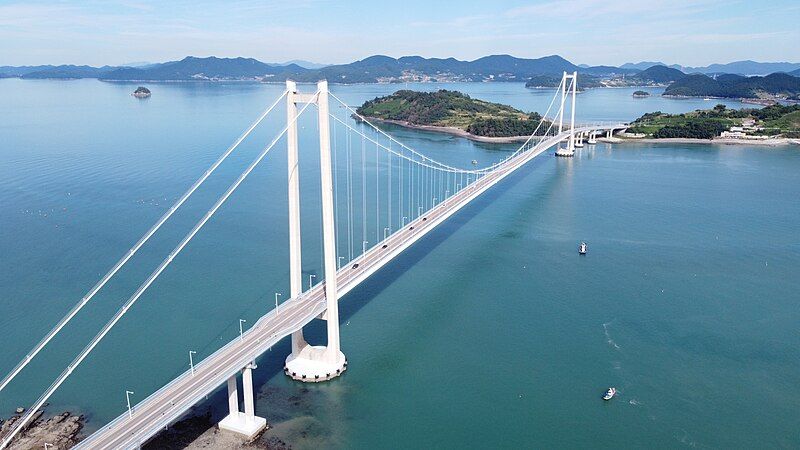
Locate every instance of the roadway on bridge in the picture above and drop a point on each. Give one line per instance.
(168, 403)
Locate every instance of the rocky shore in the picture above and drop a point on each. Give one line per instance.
(61, 431)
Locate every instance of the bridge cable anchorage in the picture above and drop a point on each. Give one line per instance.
(23, 421)
(132, 251)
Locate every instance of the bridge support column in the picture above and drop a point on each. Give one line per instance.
(321, 363)
(570, 150)
(592, 138)
(610, 134)
(295, 253)
(244, 423)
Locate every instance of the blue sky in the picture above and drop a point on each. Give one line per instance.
(687, 32)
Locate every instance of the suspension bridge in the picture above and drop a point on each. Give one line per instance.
(403, 196)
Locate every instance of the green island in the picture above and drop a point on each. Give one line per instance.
(641, 94)
(453, 112)
(753, 123)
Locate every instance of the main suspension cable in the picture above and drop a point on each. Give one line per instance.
(132, 251)
(23, 421)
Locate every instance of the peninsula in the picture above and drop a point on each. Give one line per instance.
(454, 113)
(774, 124)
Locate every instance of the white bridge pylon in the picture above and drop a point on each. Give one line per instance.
(569, 151)
(307, 362)
(411, 194)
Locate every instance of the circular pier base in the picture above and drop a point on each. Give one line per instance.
(311, 366)
(564, 153)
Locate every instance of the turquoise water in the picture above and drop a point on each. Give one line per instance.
(491, 332)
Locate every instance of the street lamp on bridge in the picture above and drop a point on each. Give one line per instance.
(128, 399)
(191, 361)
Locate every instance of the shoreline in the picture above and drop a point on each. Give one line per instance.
(59, 431)
(775, 142)
(453, 131)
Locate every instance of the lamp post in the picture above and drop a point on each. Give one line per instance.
(419, 213)
(364, 247)
(385, 232)
(277, 294)
(191, 361)
(310, 280)
(404, 220)
(241, 330)
(340, 262)
(128, 399)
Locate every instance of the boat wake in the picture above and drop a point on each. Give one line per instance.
(608, 335)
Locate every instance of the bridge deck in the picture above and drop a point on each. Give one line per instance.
(168, 403)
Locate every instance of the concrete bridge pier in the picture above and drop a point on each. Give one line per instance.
(610, 134)
(244, 423)
(592, 138)
(579, 142)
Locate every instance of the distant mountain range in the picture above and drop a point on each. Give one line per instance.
(302, 63)
(736, 67)
(386, 69)
(373, 69)
(203, 69)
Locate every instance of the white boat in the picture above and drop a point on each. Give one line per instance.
(610, 393)
(582, 248)
(474, 162)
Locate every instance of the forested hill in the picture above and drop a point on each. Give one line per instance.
(452, 109)
(735, 86)
(204, 69)
(659, 74)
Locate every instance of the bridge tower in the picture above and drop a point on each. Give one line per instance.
(570, 149)
(306, 362)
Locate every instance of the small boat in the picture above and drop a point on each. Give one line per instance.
(474, 162)
(610, 393)
(582, 248)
